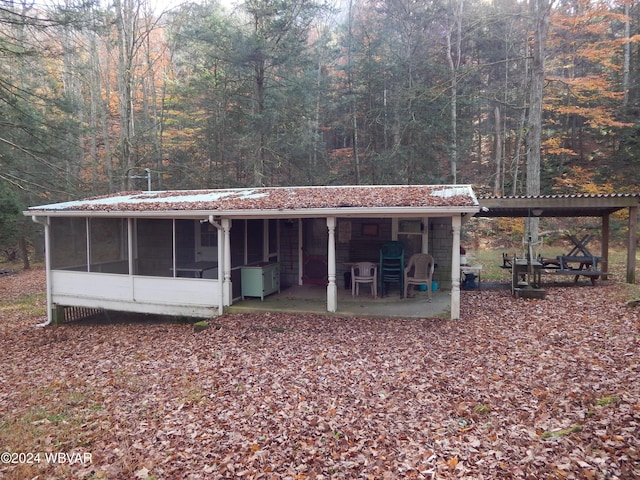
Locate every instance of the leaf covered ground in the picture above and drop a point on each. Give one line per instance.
(522, 389)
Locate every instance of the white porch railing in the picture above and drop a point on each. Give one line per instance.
(193, 297)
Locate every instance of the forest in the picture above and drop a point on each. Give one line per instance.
(510, 96)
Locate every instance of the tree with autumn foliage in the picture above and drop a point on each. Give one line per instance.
(282, 93)
(584, 94)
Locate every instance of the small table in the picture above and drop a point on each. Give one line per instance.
(196, 268)
(529, 272)
(474, 269)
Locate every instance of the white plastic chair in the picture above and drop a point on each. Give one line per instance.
(419, 271)
(364, 272)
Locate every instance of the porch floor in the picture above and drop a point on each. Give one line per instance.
(313, 299)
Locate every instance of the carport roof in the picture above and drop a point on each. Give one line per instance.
(580, 205)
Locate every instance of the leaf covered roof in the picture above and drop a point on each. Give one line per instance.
(276, 199)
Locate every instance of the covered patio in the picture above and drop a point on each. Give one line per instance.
(312, 299)
(573, 206)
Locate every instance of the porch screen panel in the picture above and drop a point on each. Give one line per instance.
(255, 241)
(273, 238)
(185, 241)
(154, 247)
(108, 245)
(68, 243)
(237, 235)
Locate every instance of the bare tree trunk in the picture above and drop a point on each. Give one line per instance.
(521, 129)
(454, 59)
(354, 103)
(517, 151)
(497, 145)
(259, 163)
(152, 100)
(94, 107)
(24, 252)
(126, 19)
(540, 15)
(627, 54)
(73, 95)
(103, 70)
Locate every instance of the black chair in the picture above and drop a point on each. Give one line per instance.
(391, 266)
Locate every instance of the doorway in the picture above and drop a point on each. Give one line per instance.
(315, 238)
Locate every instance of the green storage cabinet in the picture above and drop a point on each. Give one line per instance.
(260, 280)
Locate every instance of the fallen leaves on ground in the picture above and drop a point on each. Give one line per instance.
(522, 389)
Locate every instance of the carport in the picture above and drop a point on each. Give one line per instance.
(583, 205)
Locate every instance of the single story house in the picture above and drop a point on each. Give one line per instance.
(192, 253)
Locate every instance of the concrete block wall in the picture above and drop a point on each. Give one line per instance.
(288, 252)
(440, 240)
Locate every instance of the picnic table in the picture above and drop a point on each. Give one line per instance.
(579, 261)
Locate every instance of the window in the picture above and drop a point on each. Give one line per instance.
(208, 235)
(410, 233)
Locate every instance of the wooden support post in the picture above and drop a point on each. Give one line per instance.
(57, 315)
(605, 245)
(632, 242)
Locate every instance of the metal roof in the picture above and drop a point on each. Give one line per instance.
(579, 205)
(275, 201)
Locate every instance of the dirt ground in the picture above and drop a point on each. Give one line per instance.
(515, 389)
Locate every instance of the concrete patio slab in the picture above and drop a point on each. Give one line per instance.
(313, 299)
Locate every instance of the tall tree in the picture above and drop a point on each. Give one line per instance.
(453, 35)
(586, 77)
(33, 110)
(540, 11)
(277, 39)
(540, 16)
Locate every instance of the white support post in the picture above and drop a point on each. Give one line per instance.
(173, 249)
(227, 291)
(300, 251)
(456, 222)
(87, 226)
(332, 288)
(130, 246)
(47, 262)
(425, 235)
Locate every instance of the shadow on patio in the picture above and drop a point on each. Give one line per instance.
(313, 299)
